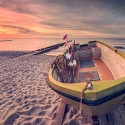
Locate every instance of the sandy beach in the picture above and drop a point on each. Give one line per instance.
(26, 99)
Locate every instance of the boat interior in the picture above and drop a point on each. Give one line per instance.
(94, 61)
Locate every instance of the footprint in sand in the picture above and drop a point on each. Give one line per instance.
(10, 119)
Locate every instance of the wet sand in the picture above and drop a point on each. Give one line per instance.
(26, 99)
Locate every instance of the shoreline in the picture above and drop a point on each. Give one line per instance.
(5, 40)
(16, 53)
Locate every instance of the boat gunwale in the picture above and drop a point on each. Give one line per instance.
(122, 54)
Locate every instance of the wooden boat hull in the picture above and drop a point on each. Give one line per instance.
(105, 96)
(96, 107)
(97, 110)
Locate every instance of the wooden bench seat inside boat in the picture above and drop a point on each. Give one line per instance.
(88, 52)
(100, 67)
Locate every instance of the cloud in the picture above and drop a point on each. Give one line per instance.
(53, 16)
(16, 6)
(20, 29)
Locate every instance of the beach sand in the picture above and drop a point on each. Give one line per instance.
(26, 99)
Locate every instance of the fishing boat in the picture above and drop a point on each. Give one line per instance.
(95, 80)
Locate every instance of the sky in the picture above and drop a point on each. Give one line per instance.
(54, 18)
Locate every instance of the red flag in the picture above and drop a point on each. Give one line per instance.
(66, 43)
(70, 49)
(65, 37)
(70, 46)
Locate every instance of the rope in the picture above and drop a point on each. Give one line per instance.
(88, 86)
(59, 63)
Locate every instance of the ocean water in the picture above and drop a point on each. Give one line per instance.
(26, 44)
(34, 44)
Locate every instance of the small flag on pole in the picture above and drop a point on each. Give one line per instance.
(66, 43)
(65, 37)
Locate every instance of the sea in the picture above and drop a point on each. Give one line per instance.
(35, 44)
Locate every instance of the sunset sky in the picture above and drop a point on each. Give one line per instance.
(54, 18)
